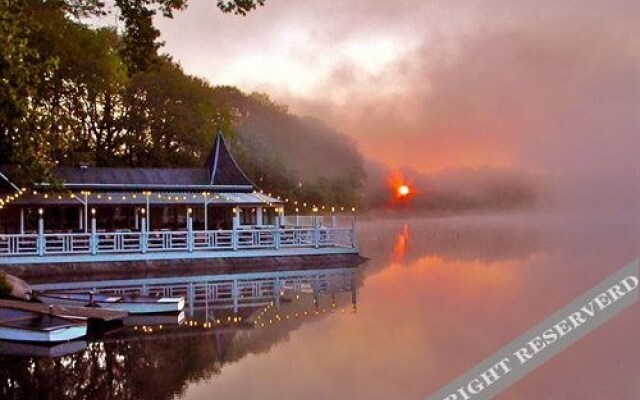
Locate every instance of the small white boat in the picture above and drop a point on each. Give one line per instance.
(29, 326)
(41, 350)
(130, 304)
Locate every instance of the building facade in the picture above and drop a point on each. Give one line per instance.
(103, 214)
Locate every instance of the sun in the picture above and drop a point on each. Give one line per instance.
(403, 191)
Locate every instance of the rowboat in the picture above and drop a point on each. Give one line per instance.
(29, 326)
(130, 304)
(41, 350)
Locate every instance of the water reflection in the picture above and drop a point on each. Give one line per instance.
(455, 240)
(436, 297)
(156, 356)
(401, 244)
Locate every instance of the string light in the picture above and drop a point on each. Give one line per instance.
(266, 200)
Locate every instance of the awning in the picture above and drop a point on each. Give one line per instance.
(155, 198)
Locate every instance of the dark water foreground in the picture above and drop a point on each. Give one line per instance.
(437, 296)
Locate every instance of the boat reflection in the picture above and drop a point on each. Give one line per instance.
(155, 357)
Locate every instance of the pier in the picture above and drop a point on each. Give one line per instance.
(144, 214)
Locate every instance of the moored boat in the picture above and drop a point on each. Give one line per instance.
(29, 326)
(130, 304)
(41, 350)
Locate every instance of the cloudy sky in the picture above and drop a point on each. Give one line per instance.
(546, 86)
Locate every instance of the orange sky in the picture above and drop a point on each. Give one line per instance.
(435, 85)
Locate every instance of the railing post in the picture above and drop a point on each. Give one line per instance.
(276, 233)
(94, 236)
(316, 232)
(189, 232)
(354, 237)
(235, 295)
(234, 234)
(144, 235)
(41, 243)
(191, 298)
(276, 287)
(22, 220)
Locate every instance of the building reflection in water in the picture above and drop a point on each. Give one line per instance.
(156, 357)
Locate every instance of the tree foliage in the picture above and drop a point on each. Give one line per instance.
(73, 94)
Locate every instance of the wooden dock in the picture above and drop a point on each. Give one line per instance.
(91, 313)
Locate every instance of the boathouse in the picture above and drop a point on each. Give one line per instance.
(106, 214)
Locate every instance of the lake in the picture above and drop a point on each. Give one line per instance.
(437, 296)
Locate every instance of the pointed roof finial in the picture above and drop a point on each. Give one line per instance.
(223, 168)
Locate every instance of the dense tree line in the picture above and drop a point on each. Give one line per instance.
(71, 94)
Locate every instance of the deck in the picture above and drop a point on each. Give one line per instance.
(318, 236)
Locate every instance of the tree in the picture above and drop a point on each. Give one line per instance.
(57, 102)
(171, 118)
(140, 37)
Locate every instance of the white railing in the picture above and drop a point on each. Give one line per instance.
(19, 245)
(167, 241)
(319, 233)
(213, 240)
(71, 243)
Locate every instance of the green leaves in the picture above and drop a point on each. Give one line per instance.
(239, 7)
(70, 94)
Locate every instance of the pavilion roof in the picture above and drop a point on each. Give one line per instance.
(220, 173)
(223, 168)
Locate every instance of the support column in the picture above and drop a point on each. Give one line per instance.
(22, 220)
(41, 238)
(276, 233)
(237, 214)
(259, 215)
(234, 232)
(144, 235)
(235, 295)
(316, 232)
(206, 213)
(191, 294)
(81, 224)
(276, 286)
(94, 234)
(86, 212)
(148, 210)
(190, 238)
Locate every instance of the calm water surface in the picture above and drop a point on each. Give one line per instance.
(436, 297)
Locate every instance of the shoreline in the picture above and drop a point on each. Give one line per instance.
(136, 269)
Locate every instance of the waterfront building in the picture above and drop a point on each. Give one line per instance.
(105, 214)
